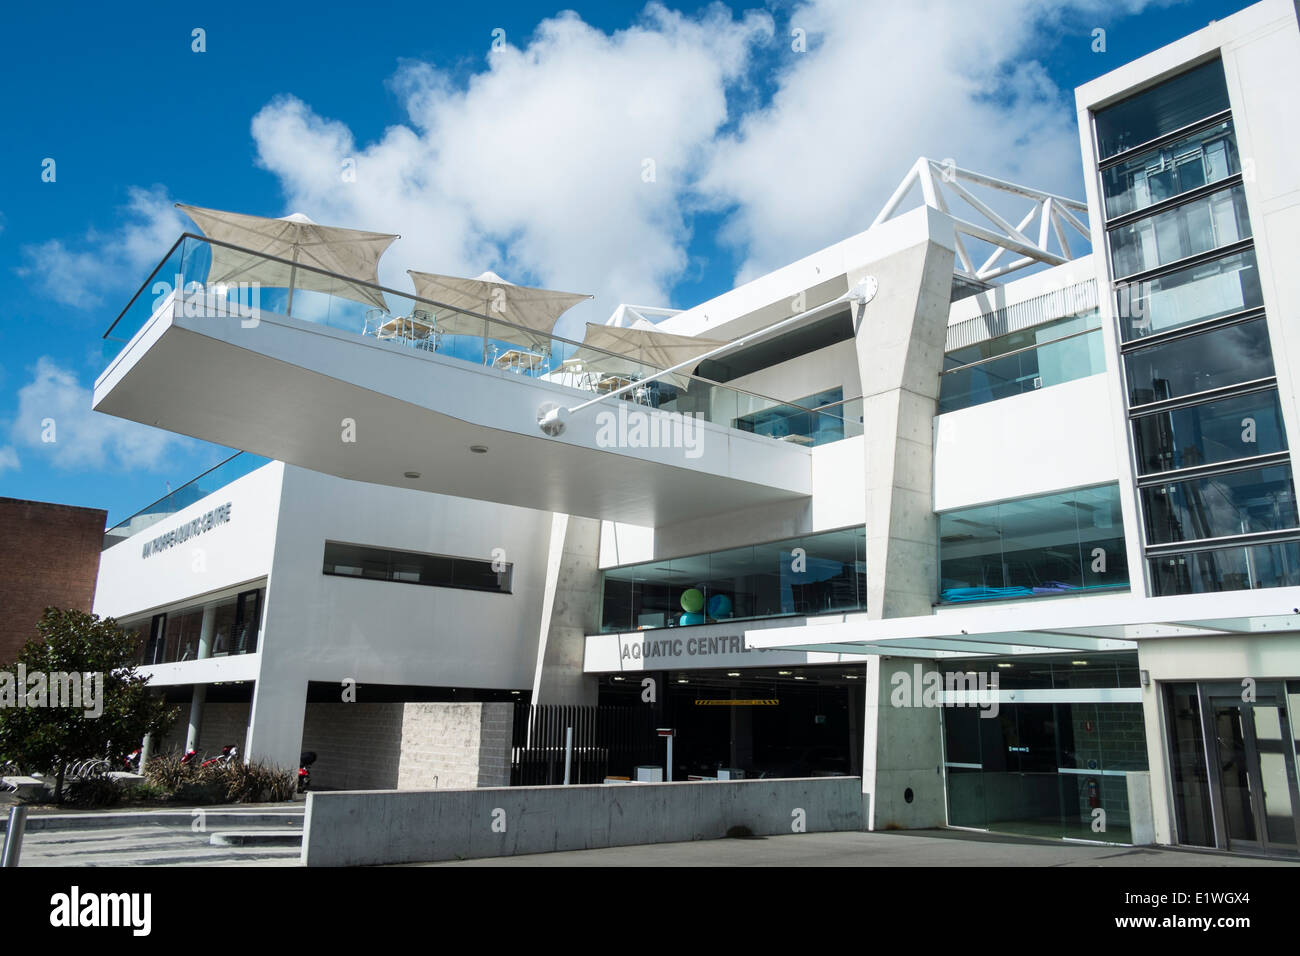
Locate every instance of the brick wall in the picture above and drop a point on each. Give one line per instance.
(409, 746)
(222, 724)
(49, 555)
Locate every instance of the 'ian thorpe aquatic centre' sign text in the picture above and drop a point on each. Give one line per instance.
(191, 529)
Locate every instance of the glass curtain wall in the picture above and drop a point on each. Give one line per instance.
(1045, 355)
(1033, 547)
(1042, 769)
(813, 574)
(1209, 446)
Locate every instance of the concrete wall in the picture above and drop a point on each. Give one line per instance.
(360, 828)
(49, 555)
(408, 746)
(227, 555)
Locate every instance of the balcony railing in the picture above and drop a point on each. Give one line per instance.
(236, 466)
(407, 320)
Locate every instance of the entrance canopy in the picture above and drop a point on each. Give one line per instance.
(636, 347)
(535, 311)
(350, 253)
(1086, 624)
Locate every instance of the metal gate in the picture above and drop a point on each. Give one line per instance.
(607, 741)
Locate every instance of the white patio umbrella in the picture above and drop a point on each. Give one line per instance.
(535, 310)
(638, 344)
(351, 253)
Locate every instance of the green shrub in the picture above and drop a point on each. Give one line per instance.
(94, 792)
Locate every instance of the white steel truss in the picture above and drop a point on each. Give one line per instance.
(1055, 216)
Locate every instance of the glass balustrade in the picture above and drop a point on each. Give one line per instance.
(386, 316)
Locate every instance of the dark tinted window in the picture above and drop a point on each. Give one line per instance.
(1239, 502)
(1213, 359)
(1239, 427)
(411, 567)
(1172, 105)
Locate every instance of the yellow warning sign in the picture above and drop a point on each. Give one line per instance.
(729, 702)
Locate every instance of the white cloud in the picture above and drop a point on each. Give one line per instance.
(535, 165)
(885, 83)
(106, 262)
(8, 458)
(54, 404)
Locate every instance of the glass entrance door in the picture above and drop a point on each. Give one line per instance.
(1253, 769)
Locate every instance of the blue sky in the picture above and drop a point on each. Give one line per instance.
(524, 160)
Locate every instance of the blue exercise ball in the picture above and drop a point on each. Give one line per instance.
(719, 606)
(690, 617)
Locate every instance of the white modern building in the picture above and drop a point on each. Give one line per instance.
(991, 503)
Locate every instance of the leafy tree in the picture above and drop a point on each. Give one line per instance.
(50, 737)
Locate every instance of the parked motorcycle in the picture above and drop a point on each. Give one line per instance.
(229, 753)
(304, 775)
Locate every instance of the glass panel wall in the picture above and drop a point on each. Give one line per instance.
(1211, 432)
(1054, 544)
(1189, 777)
(1190, 166)
(1218, 506)
(1043, 769)
(1189, 162)
(174, 636)
(813, 574)
(1045, 355)
(1161, 110)
(1198, 293)
(1227, 569)
(1216, 358)
(1197, 226)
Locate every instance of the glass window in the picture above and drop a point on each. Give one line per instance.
(410, 567)
(1203, 157)
(810, 575)
(1207, 290)
(1209, 222)
(792, 423)
(994, 375)
(1228, 355)
(1239, 427)
(1055, 544)
(1227, 569)
(1238, 502)
(1176, 103)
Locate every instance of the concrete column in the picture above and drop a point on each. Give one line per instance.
(902, 763)
(205, 631)
(196, 716)
(900, 338)
(146, 751)
(569, 612)
(276, 718)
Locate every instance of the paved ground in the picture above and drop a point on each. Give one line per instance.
(914, 848)
(170, 841)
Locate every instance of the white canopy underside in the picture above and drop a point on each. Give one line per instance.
(534, 311)
(639, 346)
(353, 253)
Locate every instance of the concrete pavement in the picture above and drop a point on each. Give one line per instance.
(947, 848)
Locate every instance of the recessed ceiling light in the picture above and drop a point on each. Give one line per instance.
(682, 680)
(1079, 663)
(799, 677)
(785, 673)
(733, 673)
(410, 474)
(478, 449)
